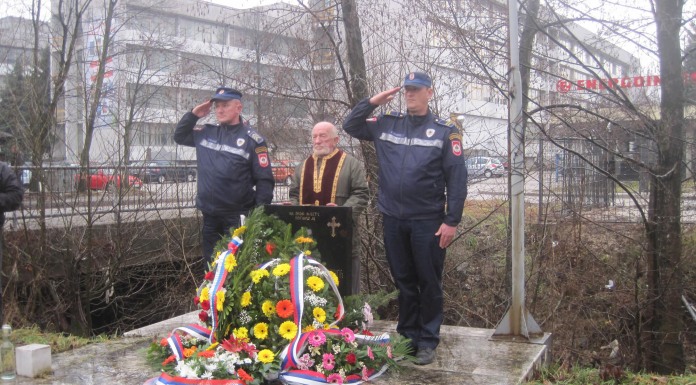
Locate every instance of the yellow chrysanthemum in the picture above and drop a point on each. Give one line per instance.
(288, 330)
(319, 314)
(230, 262)
(266, 356)
(205, 294)
(315, 283)
(308, 252)
(334, 277)
(281, 269)
(220, 299)
(304, 240)
(246, 299)
(308, 328)
(261, 330)
(259, 274)
(240, 332)
(267, 308)
(327, 326)
(239, 231)
(188, 352)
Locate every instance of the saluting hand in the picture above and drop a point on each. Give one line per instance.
(384, 97)
(446, 233)
(203, 109)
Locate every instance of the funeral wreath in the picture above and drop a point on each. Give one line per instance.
(269, 310)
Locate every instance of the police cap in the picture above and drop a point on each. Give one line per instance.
(225, 93)
(418, 79)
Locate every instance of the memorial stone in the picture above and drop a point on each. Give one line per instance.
(332, 228)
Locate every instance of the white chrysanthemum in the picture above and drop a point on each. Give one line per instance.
(210, 366)
(207, 375)
(185, 370)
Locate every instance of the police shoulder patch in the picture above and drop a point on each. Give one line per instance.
(455, 136)
(445, 123)
(255, 136)
(395, 114)
(261, 149)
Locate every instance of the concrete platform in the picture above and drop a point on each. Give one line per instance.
(465, 356)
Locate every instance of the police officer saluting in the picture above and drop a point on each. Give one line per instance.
(234, 170)
(420, 158)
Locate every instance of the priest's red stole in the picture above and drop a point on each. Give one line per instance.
(320, 178)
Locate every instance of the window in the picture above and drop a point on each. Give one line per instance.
(150, 23)
(201, 31)
(152, 134)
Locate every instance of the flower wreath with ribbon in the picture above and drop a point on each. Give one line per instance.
(273, 319)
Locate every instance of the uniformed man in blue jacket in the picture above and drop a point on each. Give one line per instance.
(234, 170)
(422, 188)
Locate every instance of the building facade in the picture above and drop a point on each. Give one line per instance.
(163, 59)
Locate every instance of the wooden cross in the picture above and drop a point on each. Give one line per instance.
(333, 224)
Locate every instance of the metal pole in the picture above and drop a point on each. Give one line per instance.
(517, 321)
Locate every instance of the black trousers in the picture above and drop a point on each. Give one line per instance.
(416, 262)
(214, 228)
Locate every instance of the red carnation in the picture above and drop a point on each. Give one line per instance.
(169, 360)
(270, 247)
(196, 300)
(205, 305)
(244, 376)
(209, 275)
(203, 316)
(207, 354)
(164, 342)
(351, 359)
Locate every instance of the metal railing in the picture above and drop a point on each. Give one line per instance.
(56, 191)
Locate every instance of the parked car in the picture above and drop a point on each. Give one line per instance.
(283, 171)
(101, 179)
(484, 166)
(162, 171)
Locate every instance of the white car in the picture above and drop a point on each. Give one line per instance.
(484, 166)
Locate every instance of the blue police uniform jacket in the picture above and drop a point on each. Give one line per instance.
(420, 158)
(234, 170)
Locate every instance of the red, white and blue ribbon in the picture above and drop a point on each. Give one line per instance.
(310, 377)
(289, 356)
(167, 379)
(174, 339)
(219, 282)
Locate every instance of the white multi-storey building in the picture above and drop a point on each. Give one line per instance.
(166, 57)
(463, 45)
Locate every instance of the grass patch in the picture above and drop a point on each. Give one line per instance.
(59, 342)
(554, 374)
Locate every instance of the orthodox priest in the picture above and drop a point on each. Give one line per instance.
(331, 177)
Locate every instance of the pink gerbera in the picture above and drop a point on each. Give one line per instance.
(348, 335)
(328, 362)
(334, 378)
(316, 338)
